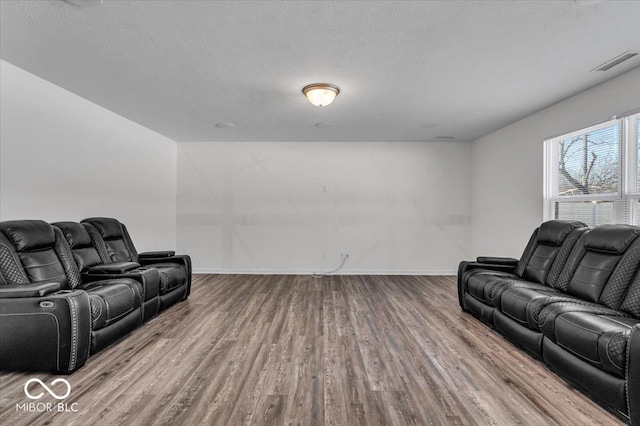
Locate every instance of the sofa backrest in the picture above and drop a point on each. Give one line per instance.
(116, 238)
(548, 250)
(631, 301)
(32, 251)
(602, 265)
(86, 244)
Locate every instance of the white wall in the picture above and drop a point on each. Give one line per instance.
(260, 206)
(507, 165)
(65, 158)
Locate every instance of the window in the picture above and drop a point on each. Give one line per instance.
(593, 175)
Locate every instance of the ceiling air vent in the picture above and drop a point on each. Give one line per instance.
(615, 61)
(88, 4)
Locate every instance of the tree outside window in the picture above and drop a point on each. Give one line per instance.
(589, 163)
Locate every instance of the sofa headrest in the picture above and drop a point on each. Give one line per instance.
(109, 229)
(554, 232)
(27, 235)
(75, 234)
(611, 238)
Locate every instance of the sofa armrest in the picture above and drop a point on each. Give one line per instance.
(28, 290)
(506, 261)
(113, 268)
(154, 254)
(180, 259)
(49, 333)
(466, 266)
(462, 268)
(633, 376)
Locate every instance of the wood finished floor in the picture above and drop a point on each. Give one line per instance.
(280, 350)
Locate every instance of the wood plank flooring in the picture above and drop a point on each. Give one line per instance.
(295, 350)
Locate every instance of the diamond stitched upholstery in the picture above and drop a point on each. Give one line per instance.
(561, 261)
(541, 264)
(81, 318)
(600, 340)
(527, 253)
(111, 233)
(587, 319)
(496, 289)
(612, 281)
(64, 253)
(96, 308)
(98, 243)
(616, 287)
(546, 316)
(116, 239)
(45, 256)
(617, 348)
(631, 302)
(129, 244)
(11, 272)
(112, 300)
(81, 243)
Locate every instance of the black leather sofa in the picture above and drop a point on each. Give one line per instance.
(90, 254)
(175, 270)
(573, 301)
(61, 302)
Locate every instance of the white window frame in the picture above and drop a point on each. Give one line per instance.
(551, 174)
(632, 178)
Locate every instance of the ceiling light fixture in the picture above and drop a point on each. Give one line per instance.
(320, 94)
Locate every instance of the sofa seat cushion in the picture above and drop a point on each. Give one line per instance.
(542, 313)
(172, 276)
(112, 300)
(495, 289)
(600, 340)
(478, 279)
(515, 301)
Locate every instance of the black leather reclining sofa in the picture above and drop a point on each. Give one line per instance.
(573, 301)
(68, 290)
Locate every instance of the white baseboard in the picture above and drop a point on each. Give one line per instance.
(309, 272)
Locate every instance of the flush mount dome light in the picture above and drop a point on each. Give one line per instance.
(320, 94)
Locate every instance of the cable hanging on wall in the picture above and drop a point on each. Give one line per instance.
(344, 257)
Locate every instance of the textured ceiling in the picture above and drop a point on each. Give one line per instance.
(407, 70)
